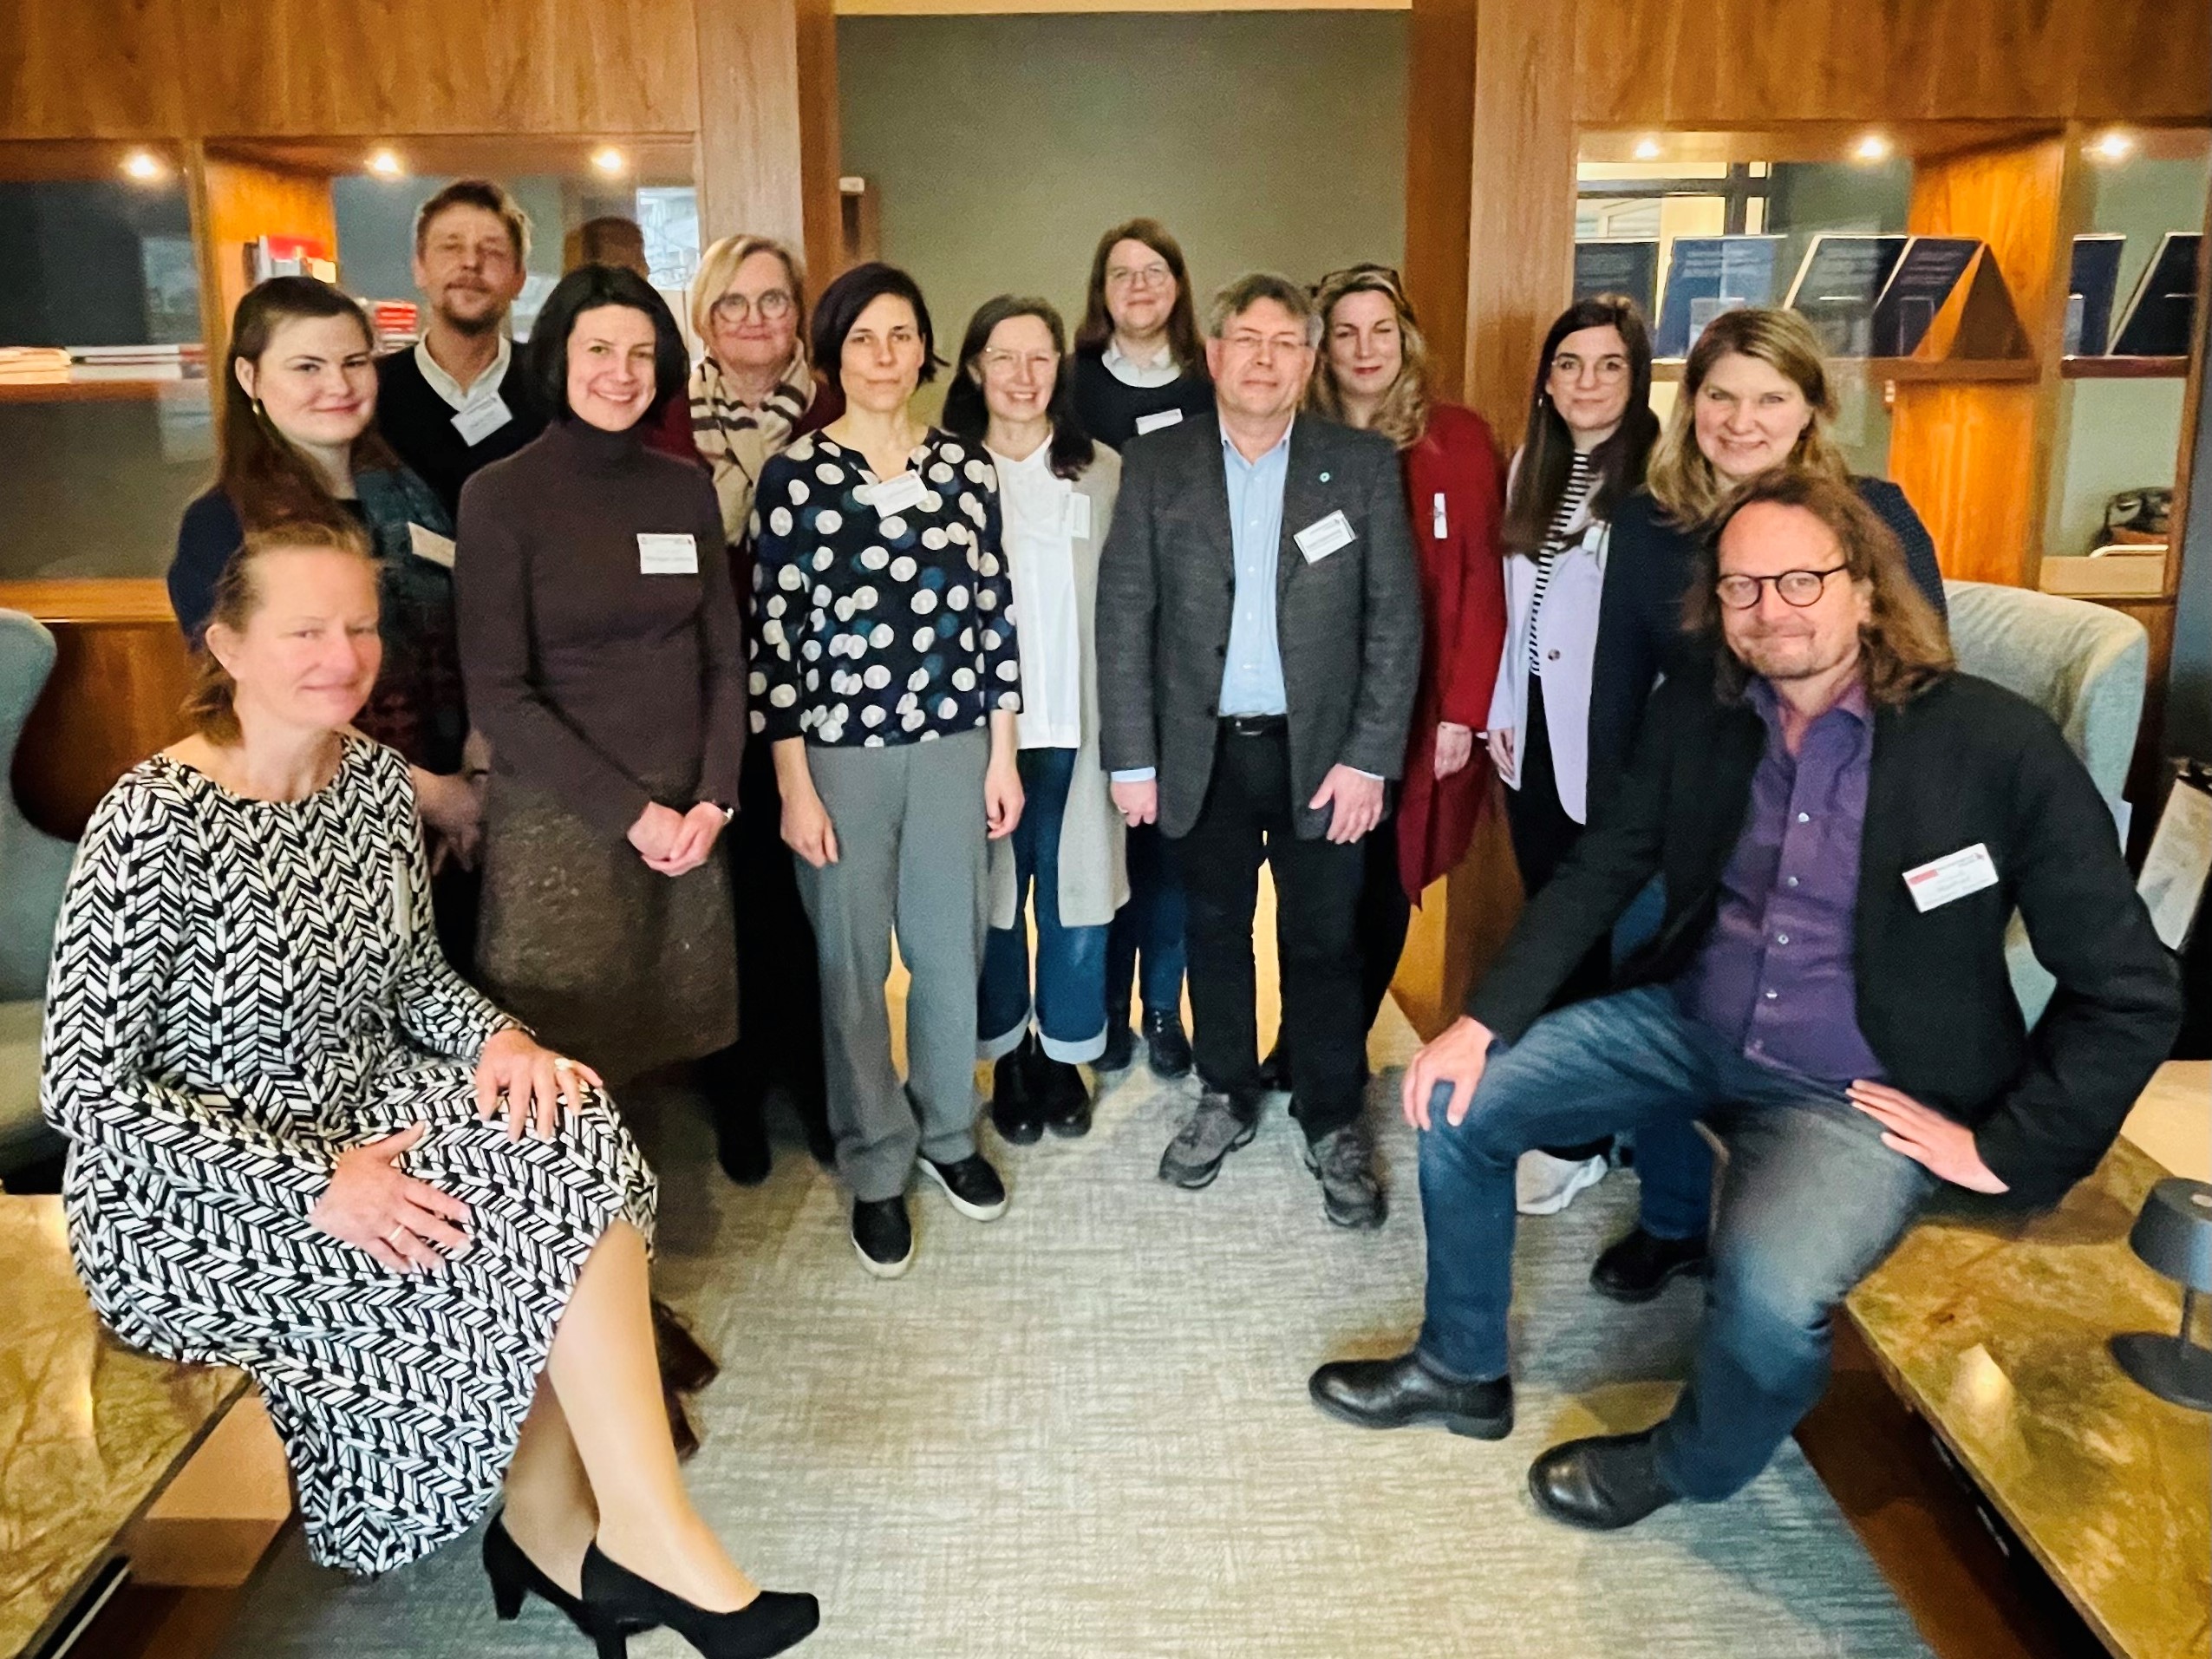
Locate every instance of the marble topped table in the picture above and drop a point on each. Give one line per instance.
(1992, 1326)
(89, 1431)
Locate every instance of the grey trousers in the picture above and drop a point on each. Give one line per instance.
(910, 843)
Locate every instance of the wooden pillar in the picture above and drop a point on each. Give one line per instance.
(1440, 145)
(768, 124)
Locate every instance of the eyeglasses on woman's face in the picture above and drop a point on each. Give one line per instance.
(1153, 273)
(1610, 369)
(1799, 589)
(733, 309)
(1001, 364)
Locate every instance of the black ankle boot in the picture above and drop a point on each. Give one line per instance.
(1061, 1095)
(1017, 1110)
(621, 1604)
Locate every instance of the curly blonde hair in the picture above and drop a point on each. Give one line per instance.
(1681, 479)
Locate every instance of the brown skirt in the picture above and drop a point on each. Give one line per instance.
(625, 968)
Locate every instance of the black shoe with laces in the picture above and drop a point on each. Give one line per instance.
(1167, 1051)
(972, 1184)
(883, 1235)
(1343, 1161)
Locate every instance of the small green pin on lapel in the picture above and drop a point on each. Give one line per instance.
(1324, 478)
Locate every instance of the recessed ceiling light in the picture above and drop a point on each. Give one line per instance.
(145, 167)
(2115, 145)
(1647, 149)
(1873, 147)
(385, 164)
(609, 159)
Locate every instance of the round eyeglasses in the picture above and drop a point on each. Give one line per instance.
(772, 306)
(1797, 588)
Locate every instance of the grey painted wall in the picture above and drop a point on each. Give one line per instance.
(1002, 145)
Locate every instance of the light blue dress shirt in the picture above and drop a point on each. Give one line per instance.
(1251, 678)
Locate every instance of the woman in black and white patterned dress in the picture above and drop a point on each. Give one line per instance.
(288, 1151)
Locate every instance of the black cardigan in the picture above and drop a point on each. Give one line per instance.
(1108, 407)
(1648, 567)
(1965, 762)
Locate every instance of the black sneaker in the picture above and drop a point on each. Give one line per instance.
(1167, 1050)
(972, 1184)
(1017, 1111)
(883, 1235)
(1061, 1095)
(1344, 1162)
(1219, 1126)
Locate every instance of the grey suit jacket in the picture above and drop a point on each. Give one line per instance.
(1349, 624)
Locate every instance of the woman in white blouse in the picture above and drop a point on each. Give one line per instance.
(1014, 393)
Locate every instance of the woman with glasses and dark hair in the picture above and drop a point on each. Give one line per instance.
(1140, 366)
(1013, 394)
(1373, 373)
(1756, 395)
(600, 639)
(750, 393)
(1590, 429)
(886, 675)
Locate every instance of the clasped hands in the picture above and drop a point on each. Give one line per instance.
(411, 1226)
(1943, 1145)
(676, 843)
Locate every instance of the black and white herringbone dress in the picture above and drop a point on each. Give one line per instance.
(241, 990)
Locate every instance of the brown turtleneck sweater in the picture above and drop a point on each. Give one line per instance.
(590, 677)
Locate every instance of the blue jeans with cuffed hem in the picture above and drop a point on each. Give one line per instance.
(1070, 1002)
(1811, 1203)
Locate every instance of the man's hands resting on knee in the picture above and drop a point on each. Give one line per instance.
(1457, 1057)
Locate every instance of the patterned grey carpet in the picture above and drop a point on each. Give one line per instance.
(1083, 1430)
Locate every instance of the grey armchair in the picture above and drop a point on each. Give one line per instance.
(2083, 665)
(34, 868)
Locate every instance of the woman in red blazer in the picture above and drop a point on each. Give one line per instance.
(1373, 372)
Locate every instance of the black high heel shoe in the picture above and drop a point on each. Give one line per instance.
(514, 1576)
(621, 1604)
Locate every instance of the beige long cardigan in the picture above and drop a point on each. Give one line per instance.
(1093, 874)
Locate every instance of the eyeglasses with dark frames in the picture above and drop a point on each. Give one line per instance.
(1799, 589)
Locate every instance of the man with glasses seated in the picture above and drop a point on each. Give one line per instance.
(1845, 824)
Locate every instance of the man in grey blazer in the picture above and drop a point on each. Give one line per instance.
(1259, 636)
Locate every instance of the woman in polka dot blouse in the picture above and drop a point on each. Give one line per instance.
(886, 675)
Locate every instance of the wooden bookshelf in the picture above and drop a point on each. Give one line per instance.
(2123, 369)
(94, 391)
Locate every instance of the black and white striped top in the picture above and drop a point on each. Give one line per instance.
(1580, 478)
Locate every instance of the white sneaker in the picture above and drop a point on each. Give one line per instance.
(1544, 1185)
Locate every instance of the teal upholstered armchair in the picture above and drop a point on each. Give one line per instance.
(34, 866)
(2084, 666)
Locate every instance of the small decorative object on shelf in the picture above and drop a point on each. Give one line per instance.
(2173, 1237)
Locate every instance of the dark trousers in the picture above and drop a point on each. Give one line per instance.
(1145, 936)
(1249, 815)
(1380, 926)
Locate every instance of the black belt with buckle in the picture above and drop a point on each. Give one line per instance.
(1254, 725)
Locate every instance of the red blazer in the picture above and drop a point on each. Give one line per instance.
(1463, 605)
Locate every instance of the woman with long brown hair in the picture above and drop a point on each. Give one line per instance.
(297, 444)
(1373, 373)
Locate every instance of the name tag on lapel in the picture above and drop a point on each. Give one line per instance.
(1953, 876)
(428, 544)
(1160, 418)
(670, 555)
(1324, 536)
(1079, 515)
(479, 420)
(892, 495)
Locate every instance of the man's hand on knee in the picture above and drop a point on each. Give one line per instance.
(1456, 1057)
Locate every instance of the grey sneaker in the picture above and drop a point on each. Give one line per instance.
(1219, 1126)
(1344, 1162)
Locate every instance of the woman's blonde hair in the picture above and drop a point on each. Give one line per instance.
(1403, 416)
(211, 705)
(1681, 479)
(718, 266)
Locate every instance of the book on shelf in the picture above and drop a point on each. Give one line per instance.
(1618, 264)
(2162, 314)
(33, 366)
(1837, 283)
(2092, 285)
(1706, 276)
(1927, 274)
(291, 256)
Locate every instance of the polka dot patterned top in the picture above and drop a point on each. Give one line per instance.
(876, 624)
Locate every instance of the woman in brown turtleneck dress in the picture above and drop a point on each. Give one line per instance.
(602, 655)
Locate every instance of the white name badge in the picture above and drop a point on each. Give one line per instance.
(666, 555)
(893, 495)
(1323, 537)
(479, 420)
(428, 544)
(1436, 518)
(1079, 515)
(1154, 422)
(1953, 876)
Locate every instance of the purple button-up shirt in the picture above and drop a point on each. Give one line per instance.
(1774, 976)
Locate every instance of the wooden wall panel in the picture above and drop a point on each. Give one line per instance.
(235, 202)
(269, 68)
(89, 68)
(1439, 162)
(768, 129)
